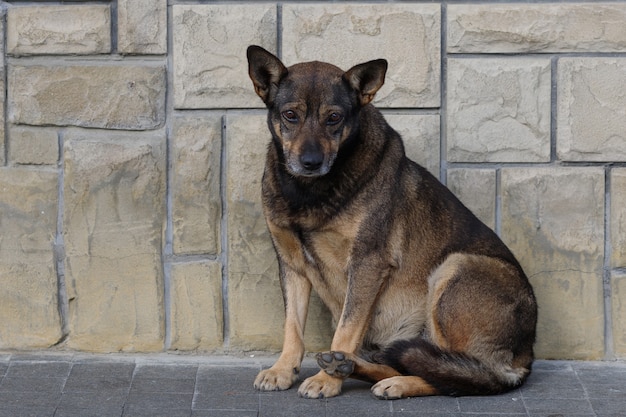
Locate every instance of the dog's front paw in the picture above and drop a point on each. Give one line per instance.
(275, 379)
(320, 385)
(335, 364)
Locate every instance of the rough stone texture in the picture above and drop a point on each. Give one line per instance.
(196, 200)
(210, 41)
(476, 188)
(33, 146)
(112, 96)
(2, 113)
(421, 136)
(618, 288)
(514, 28)
(591, 113)
(407, 35)
(196, 318)
(114, 191)
(618, 218)
(553, 220)
(254, 295)
(142, 26)
(28, 300)
(498, 110)
(67, 29)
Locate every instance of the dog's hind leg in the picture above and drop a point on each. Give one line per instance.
(344, 365)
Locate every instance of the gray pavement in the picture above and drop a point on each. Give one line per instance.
(71, 384)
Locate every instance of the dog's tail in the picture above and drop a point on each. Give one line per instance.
(451, 373)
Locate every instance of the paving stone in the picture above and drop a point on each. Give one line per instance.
(113, 266)
(476, 188)
(421, 137)
(106, 95)
(66, 29)
(618, 217)
(517, 28)
(591, 109)
(142, 26)
(209, 50)
(33, 146)
(28, 217)
(511, 402)
(552, 219)
(38, 369)
(165, 371)
(196, 306)
(196, 201)
(407, 35)
(498, 110)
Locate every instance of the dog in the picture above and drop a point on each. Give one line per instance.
(427, 300)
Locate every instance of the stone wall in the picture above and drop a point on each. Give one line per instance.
(132, 148)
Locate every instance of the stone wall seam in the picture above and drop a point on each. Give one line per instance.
(609, 348)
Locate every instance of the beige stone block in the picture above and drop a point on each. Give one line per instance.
(33, 146)
(196, 306)
(476, 188)
(2, 113)
(498, 110)
(142, 26)
(29, 296)
(555, 27)
(66, 29)
(105, 95)
(209, 50)
(196, 200)
(254, 295)
(407, 35)
(114, 192)
(618, 302)
(553, 221)
(591, 113)
(421, 137)
(618, 218)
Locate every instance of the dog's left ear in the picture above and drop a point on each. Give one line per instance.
(367, 78)
(266, 71)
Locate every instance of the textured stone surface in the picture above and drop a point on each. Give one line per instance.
(34, 146)
(196, 201)
(142, 26)
(28, 300)
(421, 136)
(618, 218)
(552, 219)
(498, 110)
(210, 41)
(114, 191)
(476, 188)
(196, 296)
(513, 28)
(2, 114)
(591, 113)
(618, 289)
(407, 35)
(108, 95)
(67, 29)
(254, 295)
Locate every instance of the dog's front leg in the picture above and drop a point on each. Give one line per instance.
(296, 293)
(364, 284)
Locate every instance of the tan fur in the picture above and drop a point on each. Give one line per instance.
(410, 276)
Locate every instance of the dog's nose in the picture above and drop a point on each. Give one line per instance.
(311, 161)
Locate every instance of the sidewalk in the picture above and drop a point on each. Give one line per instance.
(166, 385)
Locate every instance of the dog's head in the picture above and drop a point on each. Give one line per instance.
(313, 106)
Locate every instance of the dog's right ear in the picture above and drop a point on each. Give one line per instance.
(266, 71)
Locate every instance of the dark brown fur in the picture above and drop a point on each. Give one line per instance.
(416, 283)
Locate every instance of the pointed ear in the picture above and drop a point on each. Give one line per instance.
(266, 71)
(367, 79)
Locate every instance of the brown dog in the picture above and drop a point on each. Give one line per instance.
(427, 299)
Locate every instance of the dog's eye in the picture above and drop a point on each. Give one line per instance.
(334, 118)
(290, 116)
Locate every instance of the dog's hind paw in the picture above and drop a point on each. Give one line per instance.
(335, 364)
